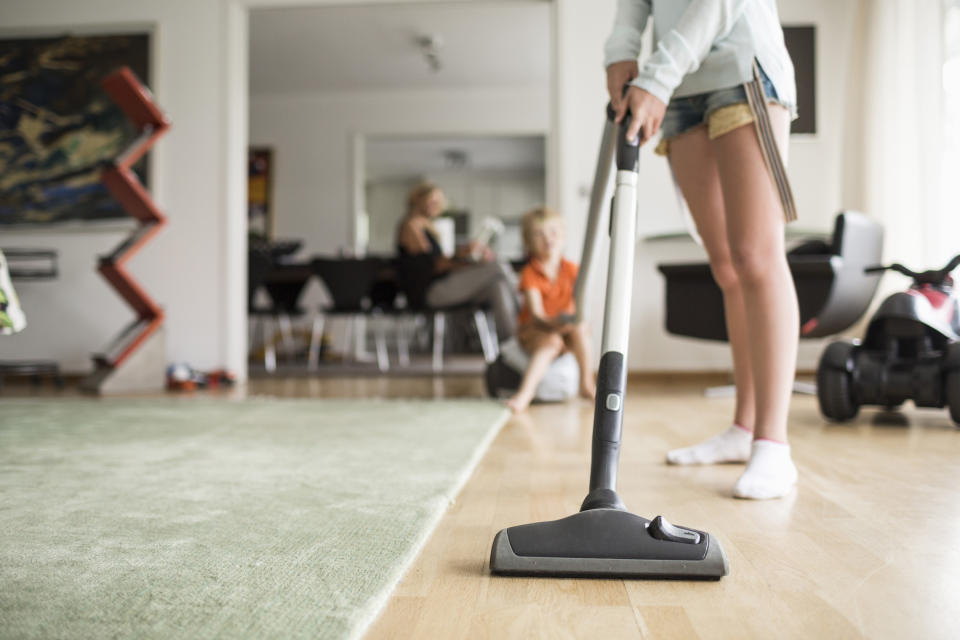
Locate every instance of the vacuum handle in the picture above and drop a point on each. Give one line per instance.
(613, 144)
(611, 381)
(598, 196)
(628, 151)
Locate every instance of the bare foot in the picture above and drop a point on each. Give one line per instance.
(588, 391)
(518, 403)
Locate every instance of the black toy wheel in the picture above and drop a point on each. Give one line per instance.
(835, 383)
(951, 385)
(953, 395)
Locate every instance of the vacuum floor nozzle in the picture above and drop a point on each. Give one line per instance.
(608, 543)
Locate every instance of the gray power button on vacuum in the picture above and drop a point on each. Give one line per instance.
(613, 402)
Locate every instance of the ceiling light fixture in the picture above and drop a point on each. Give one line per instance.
(429, 45)
(456, 158)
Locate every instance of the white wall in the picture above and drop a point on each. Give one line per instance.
(70, 317)
(313, 135)
(385, 200)
(184, 267)
(824, 166)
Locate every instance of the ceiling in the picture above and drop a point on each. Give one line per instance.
(399, 157)
(372, 47)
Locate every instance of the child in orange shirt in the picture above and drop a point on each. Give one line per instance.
(545, 325)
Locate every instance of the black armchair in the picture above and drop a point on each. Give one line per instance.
(284, 283)
(355, 288)
(832, 289)
(413, 276)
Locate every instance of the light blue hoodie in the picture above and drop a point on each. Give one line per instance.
(702, 45)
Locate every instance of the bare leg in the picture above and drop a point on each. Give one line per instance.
(544, 354)
(755, 231)
(695, 167)
(578, 341)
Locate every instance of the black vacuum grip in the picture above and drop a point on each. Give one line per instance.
(628, 151)
(607, 422)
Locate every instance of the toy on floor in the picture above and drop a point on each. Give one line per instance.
(911, 351)
(183, 377)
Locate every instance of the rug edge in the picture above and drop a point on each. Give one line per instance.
(379, 602)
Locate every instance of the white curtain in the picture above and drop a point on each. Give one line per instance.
(947, 225)
(902, 128)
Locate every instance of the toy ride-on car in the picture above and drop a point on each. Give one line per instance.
(911, 352)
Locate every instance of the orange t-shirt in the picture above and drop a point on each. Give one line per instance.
(557, 294)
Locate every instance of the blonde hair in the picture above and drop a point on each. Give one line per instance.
(537, 215)
(418, 194)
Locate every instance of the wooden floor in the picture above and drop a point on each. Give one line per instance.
(868, 545)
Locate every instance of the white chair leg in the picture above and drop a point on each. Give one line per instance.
(403, 344)
(269, 350)
(480, 320)
(252, 325)
(420, 330)
(383, 358)
(348, 352)
(360, 353)
(316, 337)
(492, 332)
(439, 329)
(286, 334)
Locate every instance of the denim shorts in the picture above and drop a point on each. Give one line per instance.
(722, 111)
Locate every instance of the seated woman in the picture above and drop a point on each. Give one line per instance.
(461, 279)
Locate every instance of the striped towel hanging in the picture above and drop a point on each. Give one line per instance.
(768, 144)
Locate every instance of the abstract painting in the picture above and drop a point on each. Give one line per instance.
(58, 128)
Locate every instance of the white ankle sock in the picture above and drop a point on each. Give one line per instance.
(733, 445)
(769, 474)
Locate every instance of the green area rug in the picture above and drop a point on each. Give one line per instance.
(211, 518)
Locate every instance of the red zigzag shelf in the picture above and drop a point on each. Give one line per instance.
(137, 103)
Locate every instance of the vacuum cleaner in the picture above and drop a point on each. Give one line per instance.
(604, 539)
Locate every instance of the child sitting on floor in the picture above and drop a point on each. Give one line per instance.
(545, 327)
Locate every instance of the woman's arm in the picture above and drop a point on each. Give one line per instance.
(626, 38)
(623, 47)
(443, 264)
